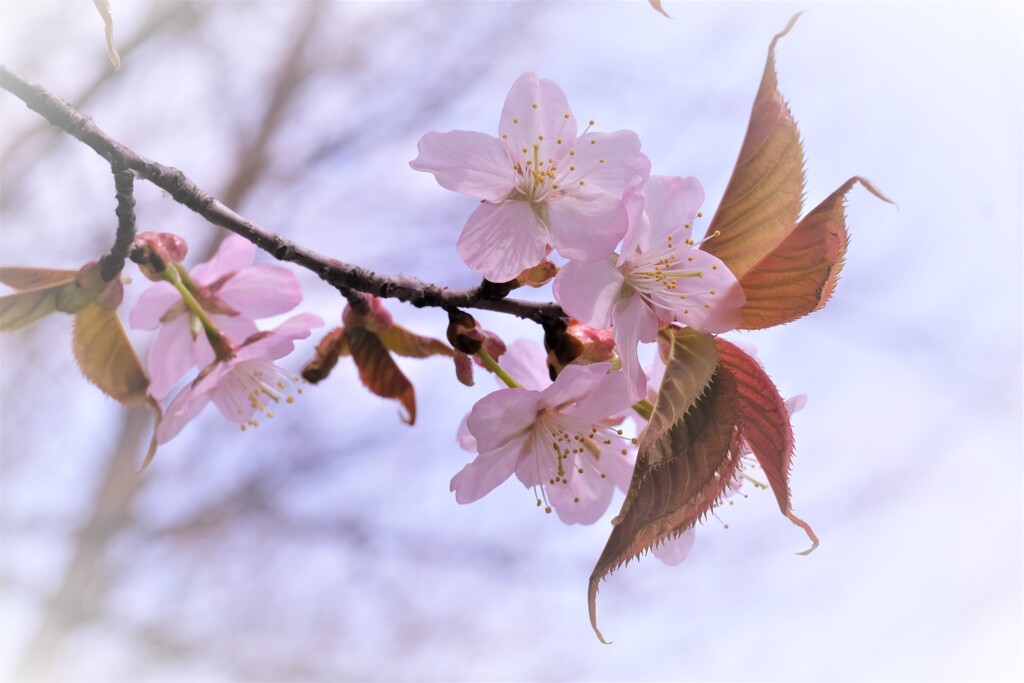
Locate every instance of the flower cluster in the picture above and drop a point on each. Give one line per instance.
(632, 267)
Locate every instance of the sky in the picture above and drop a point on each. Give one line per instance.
(909, 452)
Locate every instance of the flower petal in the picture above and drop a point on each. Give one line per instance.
(488, 470)
(234, 253)
(527, 364)
(152, 305)
(583, 499)
(183, 409)
(607, 162)
(536, 113)
(610, 397)
(634, 322)
(586, 226)
(672, 205)
(573, 384)
(501, 416)
(470, 163)
(170, 357)
(261, 290)
(588, 291)
(713, 300)
(281, 341)
(674, 551)
(500, 241)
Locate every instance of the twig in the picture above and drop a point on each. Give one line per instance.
(124, 191)
(343, 276)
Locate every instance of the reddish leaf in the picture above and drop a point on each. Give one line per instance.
(764, 424)
(39, 292)
(800, 274)
(537, 276)
(763, 198)
(328, 350)
(21, 278)
(378, 370)
(464, 368)
(405, 343)
(688, 455)
(106, 357)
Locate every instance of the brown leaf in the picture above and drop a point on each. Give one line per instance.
(331, 347)
(405, 343)
(763, 198)
(656, 4)
(38, 293)
(800, 274)
(764, 424)
(378, 371)
(688, 455)
(106, 357)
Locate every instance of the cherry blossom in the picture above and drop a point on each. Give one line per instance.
(539, 182)
(555, 439)
(247, 382)
(660, 277)
(231, 290)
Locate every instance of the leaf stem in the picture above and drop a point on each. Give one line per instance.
(178, 277)
(493, 366)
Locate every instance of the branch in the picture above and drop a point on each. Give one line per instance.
(124, 191)
(344, 277)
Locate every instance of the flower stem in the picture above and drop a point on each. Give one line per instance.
(493, 366)
(177, 276)
(644, 409)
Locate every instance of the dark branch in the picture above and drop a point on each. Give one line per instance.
(346, 278)
(124, 192)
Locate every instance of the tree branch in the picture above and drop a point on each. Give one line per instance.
(124, 192)
(345, 277)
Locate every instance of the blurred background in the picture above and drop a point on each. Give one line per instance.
(326, 546)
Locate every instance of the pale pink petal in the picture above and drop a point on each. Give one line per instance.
(500, 241)
(488, 470)
(527, 364)
(501, 416)
(588, 291)
(188, 404)
(672, 205)
(534, 109)
(262, 290)
(674, 551)
(235, 252)
(796, 403)
(610, 397)
(463, 437)
(234, 395)
(237, 328)
(583, 499)
(713, 300)
(634, 322)
(152, 305)
(470, 163)
(586, 226)
(639, 224)
(281, 341)
(607, 162)
(573, 384)
(170, 357)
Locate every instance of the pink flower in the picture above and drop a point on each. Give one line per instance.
(661, 277)
(244, 384)
(538, 182)
(232, 291)
(554, 439)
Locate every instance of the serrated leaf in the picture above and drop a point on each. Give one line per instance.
(763, 198)
(331, 347)
(688, 456)
(800, 274)
(405, 343)
(764, 424)
(106, 357)
(378, 371)
(38, 293)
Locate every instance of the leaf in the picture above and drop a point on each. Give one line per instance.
(106, 357)
(405, 343)
(688, 455)
(39, 292)
(378, 371)
(331, 347)
(103, 7)
(800, 274)
(764, 424)
(656, 4)
(763, 198)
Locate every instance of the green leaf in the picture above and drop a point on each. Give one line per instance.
(688, 455)
(800, 274)
(763, 198)
(38, 293)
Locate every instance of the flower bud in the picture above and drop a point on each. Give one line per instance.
(464, 333)
(153, 251)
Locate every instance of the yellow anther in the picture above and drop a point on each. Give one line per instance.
(548, 509)
(504, 136)
(572, 168)
(540, 137)
(593, 142)
(581, 182)
(534, 105)
(700, 215)
(515, 120)
(591, 122)
(575, 500)
(566, 116)
(707, 305)
(712, 291)
(601, 161)
(558, 141)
